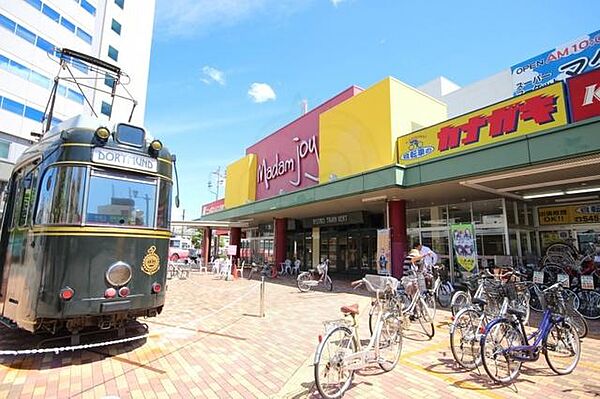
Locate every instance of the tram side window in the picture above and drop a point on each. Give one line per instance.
(28, 201)
(61, 196)
(18, 199)
(164, 205)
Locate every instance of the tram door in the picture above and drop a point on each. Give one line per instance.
(17, 242)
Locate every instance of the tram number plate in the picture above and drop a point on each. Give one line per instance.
(587, 282)
(563, 279)
(538, 277)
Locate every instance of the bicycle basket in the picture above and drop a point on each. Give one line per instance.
(553, 300)
(381, 283)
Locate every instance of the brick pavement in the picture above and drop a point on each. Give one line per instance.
(193, 351)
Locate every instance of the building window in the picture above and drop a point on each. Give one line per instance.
(109, 80)
(115, 26)
(67, 24)
(50, 13)
(35, 3)
(86, 37)
(113, 53)
(7, 23)
(39, 79)
(12, 106)
(120, 3)
(4, 149)
(75, 96)
(34, 114)
(88, 7)
(45, 45)
(26, 34)
(106, 108)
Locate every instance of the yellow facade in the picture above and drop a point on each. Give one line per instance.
(529, 113)
(360, 134)
(240, 186)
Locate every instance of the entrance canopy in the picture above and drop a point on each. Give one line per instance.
(207, 223)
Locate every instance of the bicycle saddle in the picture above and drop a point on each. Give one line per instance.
(352, 309)
(519, 313)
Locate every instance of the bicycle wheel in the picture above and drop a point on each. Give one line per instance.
(589, 304)
(571, 298)
(562, 348)
(425, 319)
(302, 280)
(460, 299)
(444, 294)
(390, 341)
(575, 318)
(562, 248)
(332, 377)
(495, 351)
(388, 305)
(430, 300)
(464, 338)
(328, 284)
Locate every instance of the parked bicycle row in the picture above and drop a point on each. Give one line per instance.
(490, 315)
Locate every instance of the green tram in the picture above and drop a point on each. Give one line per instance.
(85, 233)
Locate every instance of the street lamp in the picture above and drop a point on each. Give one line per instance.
(219, 181)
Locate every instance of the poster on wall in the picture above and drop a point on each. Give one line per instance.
(465, 250)
(564, 61)
(384, 252)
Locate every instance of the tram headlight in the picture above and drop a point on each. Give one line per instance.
(118, 274)
(102, 133)
(155, 147)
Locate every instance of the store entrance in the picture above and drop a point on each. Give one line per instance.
(349, 251)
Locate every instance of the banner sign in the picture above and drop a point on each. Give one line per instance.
(334, 220)
(567, 60)
(569, 214)
(232, 250)
(463, 241)
(213, 207)
(518, 116)
(584, 95)
(384, 252)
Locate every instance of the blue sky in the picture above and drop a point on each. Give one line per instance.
(225, 73)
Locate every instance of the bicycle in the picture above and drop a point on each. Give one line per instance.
(177, 270)
(312, 278)
(440, 292)
(505, 344)
(413, 304)
(469, 323)
(569, 310)
(474, 284)
(340, 352)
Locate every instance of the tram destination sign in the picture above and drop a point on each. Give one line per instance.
(122, 159)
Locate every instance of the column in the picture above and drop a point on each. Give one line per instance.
(280, 241)
(206, 241)
(399, 239)
(235, 238)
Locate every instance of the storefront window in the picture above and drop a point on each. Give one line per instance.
(512, 238)
(460, 213)
(488, 212)
(412, 218)
(510, 213)
(523, 214)
(490, 241)
(435, 216)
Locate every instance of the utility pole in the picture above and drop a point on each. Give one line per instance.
(219, 181)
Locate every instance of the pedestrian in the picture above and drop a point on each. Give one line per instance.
(430, 258)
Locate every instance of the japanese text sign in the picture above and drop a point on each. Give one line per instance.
(571, 214)
(530, 113)
(584, 95)
(567, 60)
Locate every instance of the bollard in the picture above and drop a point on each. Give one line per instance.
(262, 297)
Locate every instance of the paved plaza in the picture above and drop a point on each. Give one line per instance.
(210, 343)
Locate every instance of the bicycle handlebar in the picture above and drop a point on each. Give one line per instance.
(356, 284)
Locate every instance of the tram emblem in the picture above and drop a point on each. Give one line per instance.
(151, 262)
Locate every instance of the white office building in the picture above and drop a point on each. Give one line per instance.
(116, 31)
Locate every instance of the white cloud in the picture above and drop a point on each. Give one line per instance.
(185, 18)
(213, 75)
(336, 2)
(261, 92)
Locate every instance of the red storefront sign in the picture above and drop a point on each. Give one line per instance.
(584, 95)
(213, 207)
(288, 160)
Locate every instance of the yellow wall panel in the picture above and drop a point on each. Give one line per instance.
(240, 186)
(360, 134)
(354, 136)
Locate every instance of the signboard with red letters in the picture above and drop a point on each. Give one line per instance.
(584, 95)
(213, 207)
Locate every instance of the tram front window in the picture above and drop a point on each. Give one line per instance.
(121, 200)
